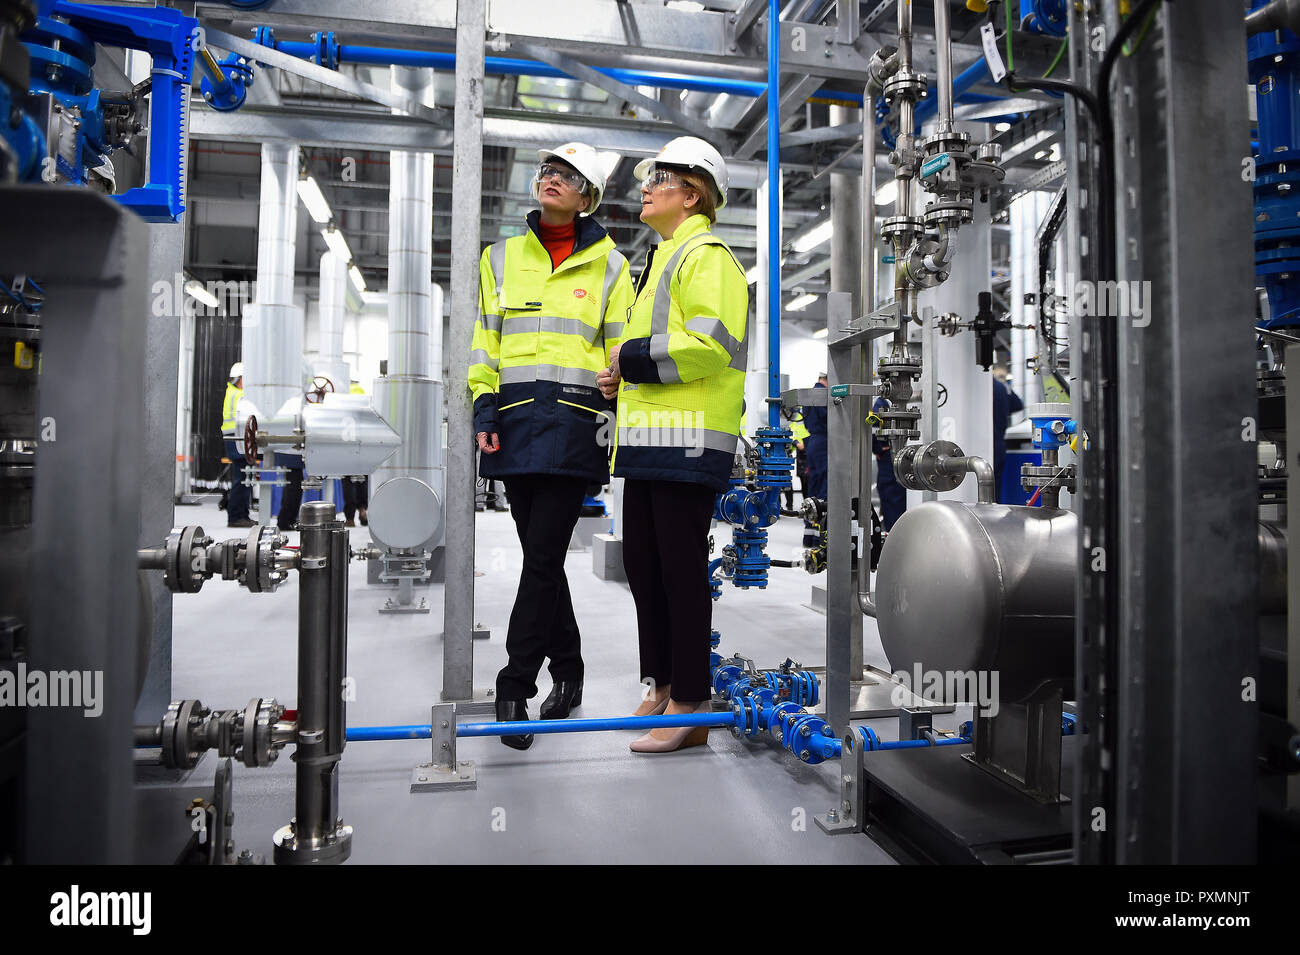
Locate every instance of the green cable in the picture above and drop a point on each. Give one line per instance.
(1059, 54)
(1142, 35)
(1011, 64)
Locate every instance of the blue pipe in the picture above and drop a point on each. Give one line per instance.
(365, 734)
(774, 212)
(507, 66)
(977, 72)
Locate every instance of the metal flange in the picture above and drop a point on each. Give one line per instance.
(929, 466)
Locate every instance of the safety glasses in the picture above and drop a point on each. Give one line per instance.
(548, 171)
(658, 178)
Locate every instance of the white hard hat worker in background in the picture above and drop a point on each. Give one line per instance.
(552, 303)
(681, 361)
(239, 497)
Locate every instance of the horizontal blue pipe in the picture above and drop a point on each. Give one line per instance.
(977, 72)
(507, 66)
(363, 734)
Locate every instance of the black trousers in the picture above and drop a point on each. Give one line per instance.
(545, 508)
(356, 496)
(291, 493)
(666, 556)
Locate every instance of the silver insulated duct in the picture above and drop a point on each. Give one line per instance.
(406, 509)
(272, 326)
(333, 308)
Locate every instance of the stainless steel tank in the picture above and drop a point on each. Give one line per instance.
(972, 588)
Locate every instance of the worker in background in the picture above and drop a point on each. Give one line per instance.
(356, 490)
(893, 496)
(552, 304)
(800, 463)
(1005, 403)
(239, 498)
(814, 419)
(680, 379)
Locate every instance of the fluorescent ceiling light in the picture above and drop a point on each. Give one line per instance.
(821, 333)
(800, 303)
(199, 293)
(314, 200)
(338, 245)
(1002, 127)
(887, 194)
(690, 6)
(358, 279)
(813, 237)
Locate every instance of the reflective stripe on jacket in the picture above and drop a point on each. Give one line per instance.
(541, 337)
(683, 363)
(228, 407)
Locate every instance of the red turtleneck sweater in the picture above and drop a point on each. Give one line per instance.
(558, 241)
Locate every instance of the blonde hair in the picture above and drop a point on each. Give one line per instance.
(704, 188)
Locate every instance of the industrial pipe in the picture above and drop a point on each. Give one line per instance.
(943, 44)
(509, 66)
(774, 213)
(977, 72)
(316, 834)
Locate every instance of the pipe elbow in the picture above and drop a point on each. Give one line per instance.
(868, 604)
(983, 472)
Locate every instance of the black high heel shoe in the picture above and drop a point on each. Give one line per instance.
(511, 711)
(564, 696)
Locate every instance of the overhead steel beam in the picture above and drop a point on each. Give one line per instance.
(361, 129)
(624, 92)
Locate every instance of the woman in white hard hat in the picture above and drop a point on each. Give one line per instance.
(552, 304)
(679, 375)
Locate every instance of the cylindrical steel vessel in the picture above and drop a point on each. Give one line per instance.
(971, 588)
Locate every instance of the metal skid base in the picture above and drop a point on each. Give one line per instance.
(432, 778)
(873, 696)
(931, 806)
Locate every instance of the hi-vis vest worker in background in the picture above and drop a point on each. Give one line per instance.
(682, 369)
(553, 302)
(239, 497)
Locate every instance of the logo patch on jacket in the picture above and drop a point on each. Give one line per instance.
(579, 293)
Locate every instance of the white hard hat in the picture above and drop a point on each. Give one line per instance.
(694, 153)
(237, 371)
(587, 161)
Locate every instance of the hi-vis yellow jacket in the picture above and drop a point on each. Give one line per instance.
(683, 362)
(541, 337)
(228, 406)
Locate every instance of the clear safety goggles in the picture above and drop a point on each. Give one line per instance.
(573, 180)
(658, 178)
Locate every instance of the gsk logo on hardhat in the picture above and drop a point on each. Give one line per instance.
(570, 151)
(579, 293)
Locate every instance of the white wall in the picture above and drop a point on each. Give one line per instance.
(803, 357)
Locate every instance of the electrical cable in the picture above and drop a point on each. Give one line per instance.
(1057, 59)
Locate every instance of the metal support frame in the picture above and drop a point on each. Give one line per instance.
(166, 244)
(444, 772)
(467, 174)
(843, 618)
(1184, 633)
(91, 256)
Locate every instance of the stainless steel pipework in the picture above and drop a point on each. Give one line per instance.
(316, 834)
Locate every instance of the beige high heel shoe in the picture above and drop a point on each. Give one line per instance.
(682, 738)
(651, 708)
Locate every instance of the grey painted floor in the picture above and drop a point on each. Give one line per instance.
(581, 798)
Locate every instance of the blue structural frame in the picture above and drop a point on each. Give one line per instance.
(1274, 59)
(62, 57)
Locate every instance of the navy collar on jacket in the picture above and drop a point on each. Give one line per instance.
(586, 230)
